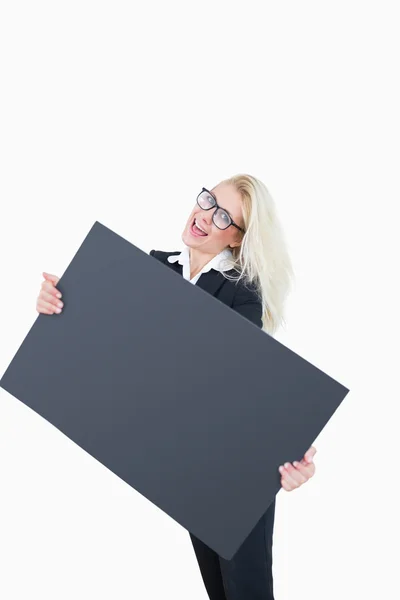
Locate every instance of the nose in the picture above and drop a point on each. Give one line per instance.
(208, 222)
(206, 216)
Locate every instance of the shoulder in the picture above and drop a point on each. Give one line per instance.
(246, 292)
(161, 255)
(243, 290)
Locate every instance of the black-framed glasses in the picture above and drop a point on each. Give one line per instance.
(221, 218)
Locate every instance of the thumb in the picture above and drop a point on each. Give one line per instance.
(52, 278)
(310, 454)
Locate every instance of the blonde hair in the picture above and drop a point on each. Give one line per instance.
(262, 259)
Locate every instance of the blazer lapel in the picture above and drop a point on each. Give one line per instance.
(211, 281)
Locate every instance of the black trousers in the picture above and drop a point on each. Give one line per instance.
(248, 575)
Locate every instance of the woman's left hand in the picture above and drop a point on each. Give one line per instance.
(294, 475)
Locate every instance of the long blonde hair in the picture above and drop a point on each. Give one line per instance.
(262, 259)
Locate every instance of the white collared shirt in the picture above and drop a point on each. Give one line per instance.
(221, 262)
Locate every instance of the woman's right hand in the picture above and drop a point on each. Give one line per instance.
(48, 302)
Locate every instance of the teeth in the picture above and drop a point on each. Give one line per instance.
(197, 225)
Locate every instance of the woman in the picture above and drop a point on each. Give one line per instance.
(234, 248)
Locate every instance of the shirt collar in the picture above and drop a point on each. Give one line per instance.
(221, 262)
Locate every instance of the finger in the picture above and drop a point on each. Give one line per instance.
(310, 469)
(48, 297)
(47, 308)
(286, 486)
(53, 278)
(295, 475)
(298, 477)
(49, 287)
(305, 469)
(287, 478)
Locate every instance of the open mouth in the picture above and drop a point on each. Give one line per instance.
(196, 229)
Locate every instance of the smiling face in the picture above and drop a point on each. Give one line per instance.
(213, 240)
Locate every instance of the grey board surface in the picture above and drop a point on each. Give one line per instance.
(178, 395)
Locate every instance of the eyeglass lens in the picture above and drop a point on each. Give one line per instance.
(220, 217)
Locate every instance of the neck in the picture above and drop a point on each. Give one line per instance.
(198, 260)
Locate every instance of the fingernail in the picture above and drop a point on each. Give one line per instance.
(60, 304)
(58, 295)
(287, 465)
(295, 463)
(281, 469)
(58, 310)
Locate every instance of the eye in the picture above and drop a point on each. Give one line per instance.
(225, 217)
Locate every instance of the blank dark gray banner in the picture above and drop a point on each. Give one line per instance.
(178, 395)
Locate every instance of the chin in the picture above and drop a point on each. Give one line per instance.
(186, 239)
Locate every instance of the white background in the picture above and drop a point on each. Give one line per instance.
(120, 112)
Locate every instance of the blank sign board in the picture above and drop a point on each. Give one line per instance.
(174, 392)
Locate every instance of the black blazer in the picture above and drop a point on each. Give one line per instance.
(242, 298)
